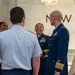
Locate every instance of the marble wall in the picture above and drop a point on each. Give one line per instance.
(5, 6)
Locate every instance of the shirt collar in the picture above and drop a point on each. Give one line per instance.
(57, 26)
(39, 35)
(18, 27)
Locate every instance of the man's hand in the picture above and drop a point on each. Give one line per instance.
(56, 73)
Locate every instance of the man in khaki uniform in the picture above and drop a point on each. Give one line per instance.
(72, 69)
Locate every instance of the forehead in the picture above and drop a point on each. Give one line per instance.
(39, 25)
(51, 17)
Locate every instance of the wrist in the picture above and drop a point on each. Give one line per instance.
(57, 73)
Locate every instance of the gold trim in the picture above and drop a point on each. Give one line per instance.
(59, 65)
(46, 52)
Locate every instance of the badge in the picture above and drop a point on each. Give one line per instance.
(43, 40)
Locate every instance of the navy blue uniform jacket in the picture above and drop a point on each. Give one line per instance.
(57, 57)
(44, 42)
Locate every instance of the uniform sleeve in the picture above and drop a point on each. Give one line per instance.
(0, 54)
(0, 48)
(63, 40)
(37, 48)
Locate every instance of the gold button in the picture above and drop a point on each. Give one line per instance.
(49, 44)
(53, 60)
(50, 39)
(41, 45)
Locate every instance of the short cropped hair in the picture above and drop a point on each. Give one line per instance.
(16, 15)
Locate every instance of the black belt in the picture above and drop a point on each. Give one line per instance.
(15, 69)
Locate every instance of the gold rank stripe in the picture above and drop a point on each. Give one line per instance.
(59, 65)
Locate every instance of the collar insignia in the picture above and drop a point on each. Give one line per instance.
(55, 34)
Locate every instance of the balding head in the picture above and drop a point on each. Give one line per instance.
(55, 18)
(56, 14)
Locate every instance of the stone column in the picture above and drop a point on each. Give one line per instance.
(5, 6)
(1, 18)
(12, 3)
(5, 10)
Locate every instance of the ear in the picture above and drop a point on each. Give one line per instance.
(23, 21)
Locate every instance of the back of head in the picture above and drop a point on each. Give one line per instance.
(16, 15)
(57, 14)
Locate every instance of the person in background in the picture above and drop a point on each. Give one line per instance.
(72, 68)
(56, 63)
(3, 27)
(44, 41)
(18, 47)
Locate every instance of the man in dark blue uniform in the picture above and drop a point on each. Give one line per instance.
(56, 63)
(44, 42)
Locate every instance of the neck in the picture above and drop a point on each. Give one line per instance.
(19, 24)
(57, 24)
(39, 34)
